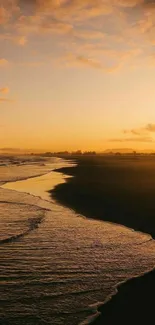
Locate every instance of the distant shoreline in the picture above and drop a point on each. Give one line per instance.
(134, 301)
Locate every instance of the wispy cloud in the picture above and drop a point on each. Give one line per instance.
(7, 9)
(16, 39)
(6, 100)
(122, 28)
(71, 60)
(150, 127)
(34, 64)
(132, 139)
(3, 62)
(139, 134)
(82, 60)
(4, 90)
(19, 40)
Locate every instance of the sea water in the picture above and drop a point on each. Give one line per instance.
(56, 267)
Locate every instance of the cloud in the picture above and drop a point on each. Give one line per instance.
(17, 39)
(40, 24)
(3, 15)
(4, 90)
(32, 64)
(72, 60)
(132, 139)
(82, 60)
(150, 127)
(77, 9)
(55, 26)
(6, 100)
(7, 9)
(87, 34)
(3, 62)
(10, 149)
(129, 3)
(20, 40)
(139, 131)
(117, 31)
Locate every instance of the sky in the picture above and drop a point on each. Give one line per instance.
(77, 74)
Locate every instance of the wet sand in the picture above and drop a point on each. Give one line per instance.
(133, 304)
(120, 190)
(57, 267)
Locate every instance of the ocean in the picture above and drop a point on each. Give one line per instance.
(57, 267)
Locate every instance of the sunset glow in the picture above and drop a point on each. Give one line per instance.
(77, 74)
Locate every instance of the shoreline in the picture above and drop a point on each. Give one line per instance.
(113, 304)
(85, 204)
(132, 301)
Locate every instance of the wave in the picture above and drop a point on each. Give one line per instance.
(24, 178)
(33, 224)
(119, 293)
(95, 308)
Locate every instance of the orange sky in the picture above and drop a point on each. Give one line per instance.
(77, 74)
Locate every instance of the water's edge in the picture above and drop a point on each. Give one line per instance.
(95, 318)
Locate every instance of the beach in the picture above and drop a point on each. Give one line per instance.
(113, 189)
(58, 266)
(119, 190)
(132, 304)
(77, 162)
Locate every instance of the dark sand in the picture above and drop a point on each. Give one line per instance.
(133, 304)
(120, 190)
